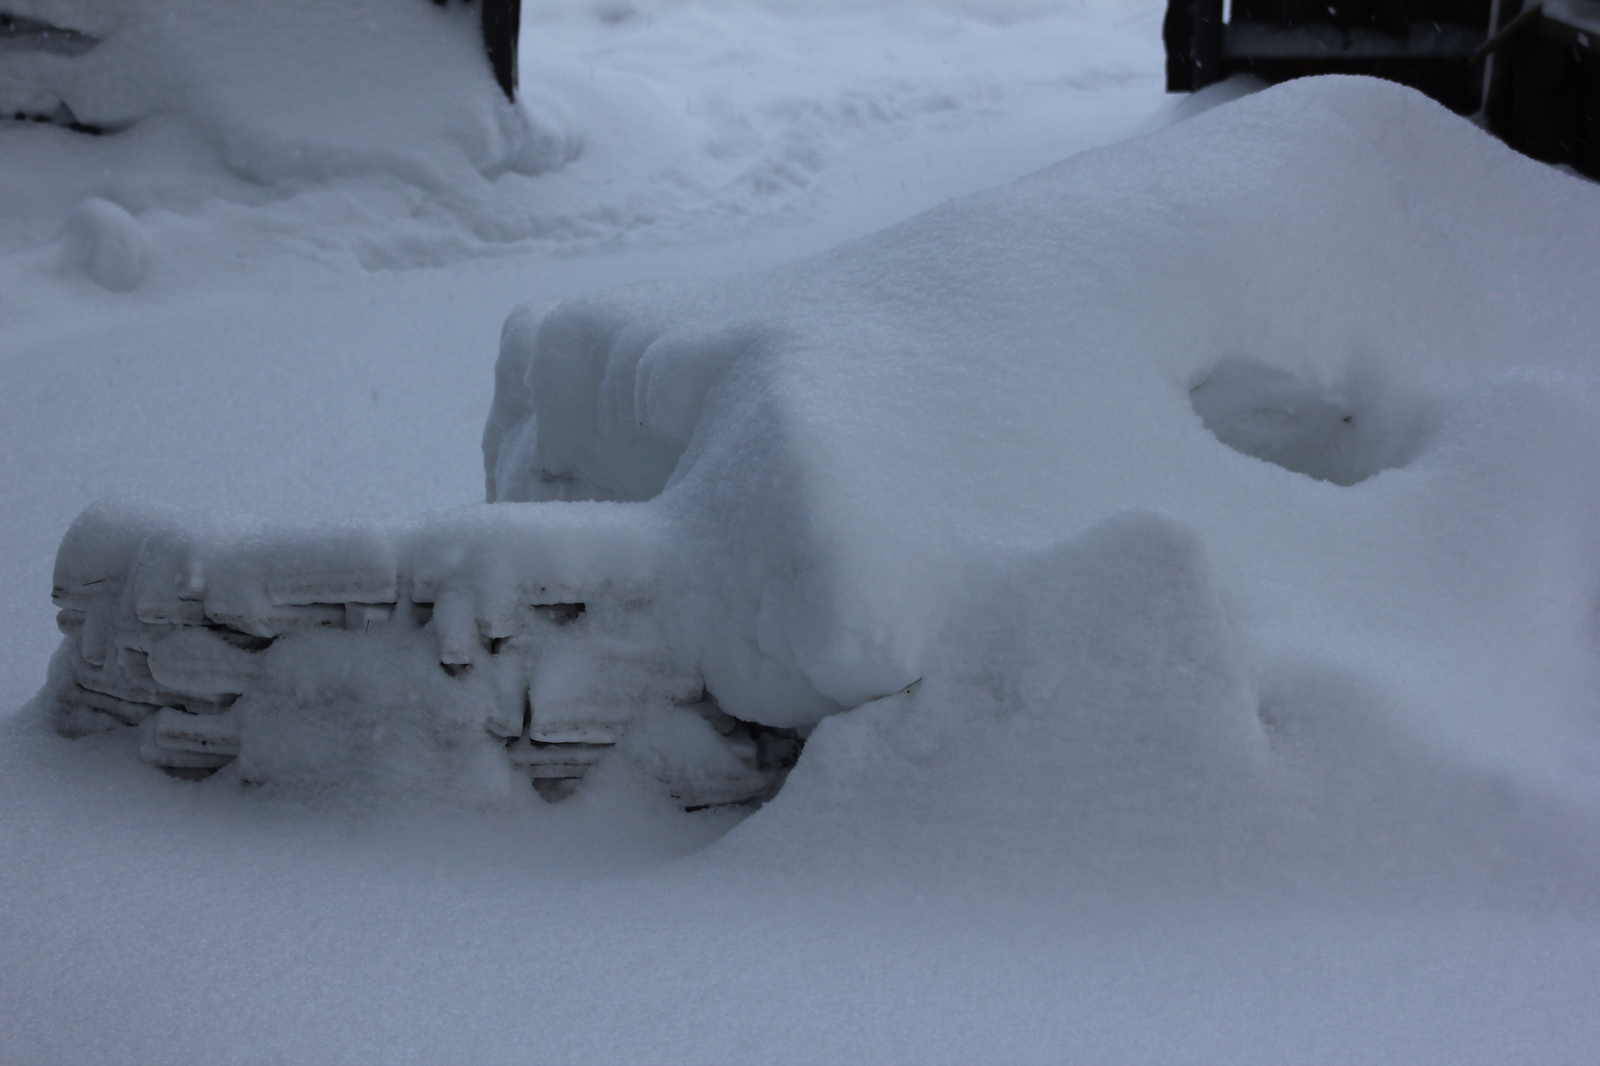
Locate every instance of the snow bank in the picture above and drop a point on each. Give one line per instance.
(283, 91)
(255, 104)
(371, 135)
(1301, 329)
(1228, 493)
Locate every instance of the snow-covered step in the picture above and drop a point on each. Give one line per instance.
(170, 744)
(83, 711)
(198, 660)
(555, 760)
(111, 681)
(214, 734)
(102, 546)
(570, 732)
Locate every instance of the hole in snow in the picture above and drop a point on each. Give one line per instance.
(1343, 434)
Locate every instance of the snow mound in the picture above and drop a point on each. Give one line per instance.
(370, 135)
(869, 452)
(107, 243)
(1090, 516)
(1098, 676)
(281, 92)
(255, 104)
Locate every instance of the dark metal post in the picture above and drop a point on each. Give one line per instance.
(1192, 33)
(501, 22)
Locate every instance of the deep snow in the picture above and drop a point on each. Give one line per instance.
(301, 132)
(1375, 839)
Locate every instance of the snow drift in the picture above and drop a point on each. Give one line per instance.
(282, 91)
(1314, 277)
(1241, 474)
(254, 104)
(247, 141)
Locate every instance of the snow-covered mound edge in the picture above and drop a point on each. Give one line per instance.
(1085, 477)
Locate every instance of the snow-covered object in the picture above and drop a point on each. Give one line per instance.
(1318, 277)
(363, 135)
(1137, 483)
(291, 90)
(461, 648)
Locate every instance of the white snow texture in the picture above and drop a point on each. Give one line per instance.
(1240, 447)
(1183, 562)
(1123, 492)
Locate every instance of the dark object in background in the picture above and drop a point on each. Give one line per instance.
(1543, 60)
(501, 21)
(1544, 89)
(1427, 44)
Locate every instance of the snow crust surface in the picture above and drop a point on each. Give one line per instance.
(1187, 552)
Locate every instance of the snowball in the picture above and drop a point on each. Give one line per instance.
(105, 242)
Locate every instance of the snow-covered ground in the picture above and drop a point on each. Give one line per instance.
(1354, 817)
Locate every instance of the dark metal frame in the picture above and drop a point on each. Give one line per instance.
(1542, 95)
(1427, 44)
(1544, 91)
